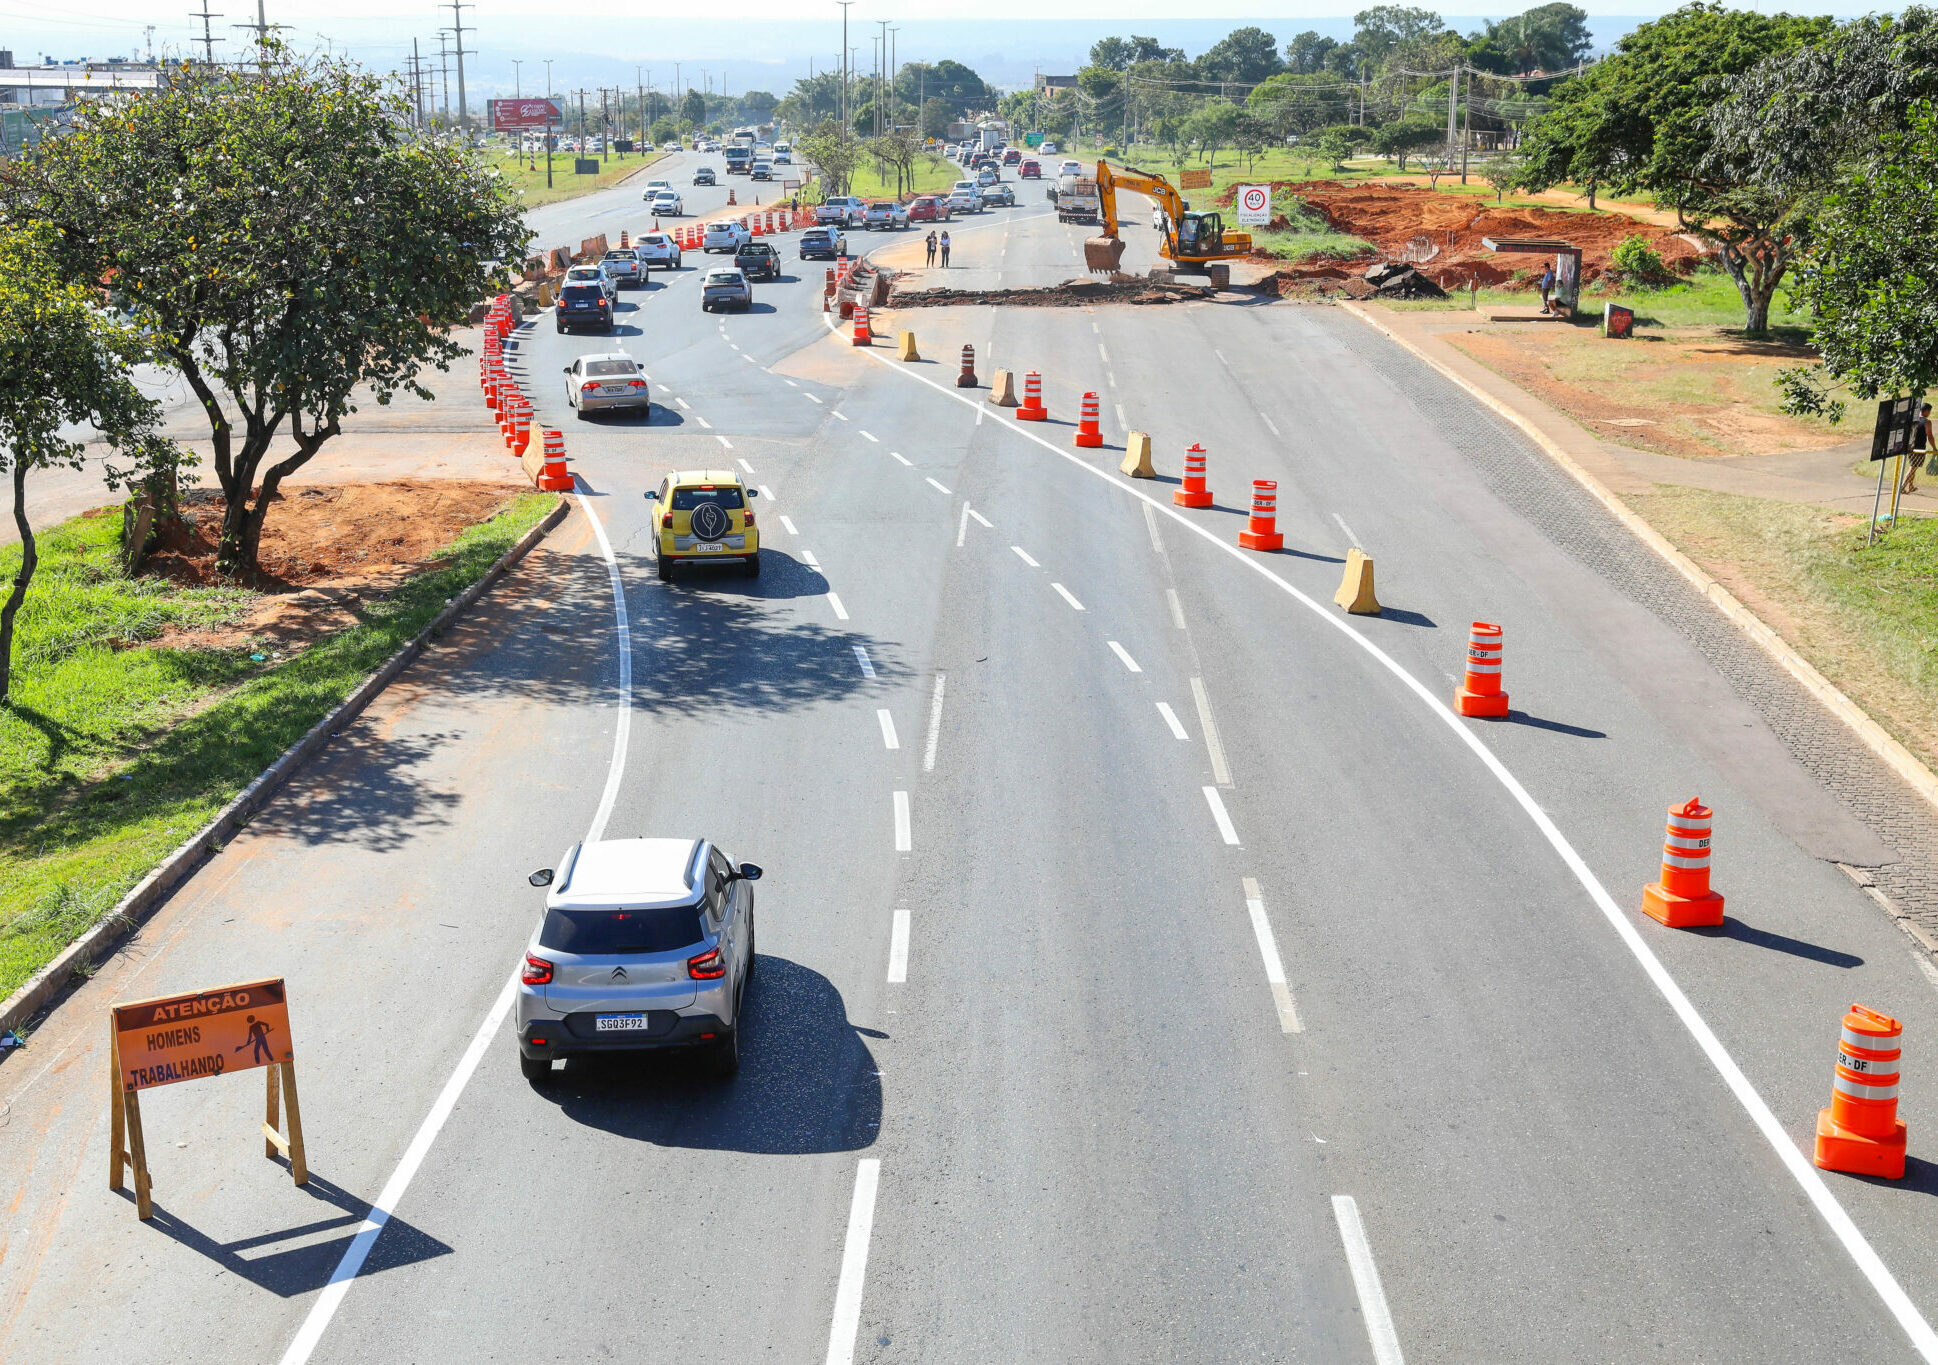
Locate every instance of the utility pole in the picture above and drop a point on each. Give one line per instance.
(639, 90)
(1466, 129)
(458, 7)
(149, 30)
(844, 63)
(262, 28)
(209, 40)
(1453, 102)
(893, 72)
(444, 69)
(417, 82)
(517, 76)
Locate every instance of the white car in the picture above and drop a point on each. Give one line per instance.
(609, 380)
(728, 235)
(886, 214)
(653, 187)
(1049, 149)
(1070, 168)
(669, 203)
(671, 147)
(657, 248)
(594, 274)
(965, 197)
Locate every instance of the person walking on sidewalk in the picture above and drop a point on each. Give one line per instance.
(931, 246)
(945, 250)
(1921, 447)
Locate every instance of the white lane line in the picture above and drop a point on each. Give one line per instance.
(1218, 812)
(744, 356)
(1024, 555)
(1268, 948)
(734, 344)
(1123, 655)
(871, 436)
(898, 949)
(728, 444)
(1220, 770)
(935, 726)
(703, 421)
(1177, 607)
(1150, 524)
(842, 415)
(743, 463)
(1171, 719)
(867, 664)
(1372, 1298)
(1270, 425)
(1350, 537)
(684, 404)
(979, 412)
(962, 526)
(904, 838)
(1102, 354)
(840, 612)
(1836, 1217)
(1093, 326)
(807, 558)
(1111, 375)
(789, 524)
(1066, 595)
(811, 398)
(767, 492)
(890, 740)
(903, 458)
(790, 384)
(940, 488)
(317, 1321)
(854, 1264)
(1221, 356)
(981, 520)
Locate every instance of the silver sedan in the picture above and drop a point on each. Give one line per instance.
(611, 380)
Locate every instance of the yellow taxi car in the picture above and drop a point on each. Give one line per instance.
(705, 516)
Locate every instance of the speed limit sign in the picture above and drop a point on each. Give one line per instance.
(1254, 205)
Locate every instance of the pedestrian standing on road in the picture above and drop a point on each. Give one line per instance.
(1547, 288)
(931, 246)
(1921, 447)
(945, 251)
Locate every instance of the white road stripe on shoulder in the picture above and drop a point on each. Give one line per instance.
(1226, 830)
(1372, 1298)
(854, 1264)
(1171, 719)
(1268, 949)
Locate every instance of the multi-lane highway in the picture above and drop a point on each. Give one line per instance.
(1152, 967)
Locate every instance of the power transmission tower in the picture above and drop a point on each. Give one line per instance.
(417, 83)
(444, 69)
(262, 28)
(457, 25)
(149, 31)
(209, 40)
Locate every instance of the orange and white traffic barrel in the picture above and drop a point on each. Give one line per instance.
(1480, 694)
(1261, 528)
(1193, 492)
(862, 336)
(1861, 1132)
(1033, 409)
(521, 431)
(966, 377)
(1088, 432)
(555, 477)
(1682, 898)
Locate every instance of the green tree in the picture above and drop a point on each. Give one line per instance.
(936, 117)
(1503, 171)
(1112, 54)
(1546, 38)
(758, 105)
(1641, 121)
(693, 109)
(1305, 55)
(1244, 56)
(1212, 127)
(1379, 30)
(664, 131)
(64, 363)
(286, 240)
(833, 153)
(1405, 137)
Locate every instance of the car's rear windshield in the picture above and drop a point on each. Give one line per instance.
(584, 291)
(626, 255)
(592, 932)
(605, 368)
(686, 499)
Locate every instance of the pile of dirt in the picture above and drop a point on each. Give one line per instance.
(1070, 294)
(1441, 233)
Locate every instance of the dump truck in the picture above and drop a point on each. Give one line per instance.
(1076, 199)
(1195, 243)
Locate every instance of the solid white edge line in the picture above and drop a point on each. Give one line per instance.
(935, 726)
(898, 949)
(789, 524)
(1177, 606)
(1841, 1224)
(904, 834)
(1218, 812)
(1124, 656)
(623, 637)
(1024, 555)
(854, 1264)
(1268, 949)
(890, 740)
(1214, 746)
(1171, 719)
(867, 664)
(840, 612)
(1365, 1272)
(1067, 596)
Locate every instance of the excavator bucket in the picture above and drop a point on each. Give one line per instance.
(1103, 254)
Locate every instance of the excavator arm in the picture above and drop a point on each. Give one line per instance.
(1193, 240)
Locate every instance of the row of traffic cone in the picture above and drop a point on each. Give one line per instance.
(503, 396)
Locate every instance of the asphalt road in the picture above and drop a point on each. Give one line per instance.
(1050, 782)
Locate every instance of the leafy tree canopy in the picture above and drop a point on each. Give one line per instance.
(1306, 53)
(1244, 55)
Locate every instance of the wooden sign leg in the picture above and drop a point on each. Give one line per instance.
(117, 1114)
(138, 1149)
(299, 1164)
(271, 1118)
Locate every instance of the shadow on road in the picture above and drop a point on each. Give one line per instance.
(807, 1081)
(1537, 723)
(1733, 928)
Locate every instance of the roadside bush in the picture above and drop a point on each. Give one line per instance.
(1636, 262)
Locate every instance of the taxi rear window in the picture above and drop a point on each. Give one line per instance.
(686, 499)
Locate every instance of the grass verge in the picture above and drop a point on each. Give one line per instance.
(1306, 236)
(1707, 298)
(1866, 617)
(528, 179)
(115, 748)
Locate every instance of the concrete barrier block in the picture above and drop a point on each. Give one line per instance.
(905, 346)
(1356, 585)
(1137, 457)
(1002, 389)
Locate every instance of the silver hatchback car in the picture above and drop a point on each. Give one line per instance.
(644, 944)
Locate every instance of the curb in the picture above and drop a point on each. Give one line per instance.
(150, 891)
(1874, 736)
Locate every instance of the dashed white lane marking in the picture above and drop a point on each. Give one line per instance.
(1093, 326)
(1372, 1298)
(940, 488)
(867, 664)
(842, 415)
(1219, 769)
(1102, 354)
(1111, 375)
(743, 463)
(807, 558)
(903, 458)
(1024, 555)
(1177, 607)
(871, 436)
(1349, 531)
(840, 612)
(767, 492)
(811, 398)
(1150, 524)
(854, 1264)
(734, 344)
(1067, 596)
(1171, 719)
(1270, 425)
(1268, 948)
(1124, 656)
(790, 384)
(789, 524)
(1221, 356)
(728, 444)
(703, 421)
(1226, 831)
(935, 726)
(890, 740)
(749, 359)
(684, 404)
(904, 836)
(962, 526)
(898, 949)
(981, 520)
(979, 413)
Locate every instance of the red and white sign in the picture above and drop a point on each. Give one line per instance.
(1254, 205)
(514, 115)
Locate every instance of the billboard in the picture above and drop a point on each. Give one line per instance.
(513, 115)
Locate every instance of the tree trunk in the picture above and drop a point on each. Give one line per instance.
(29, 559)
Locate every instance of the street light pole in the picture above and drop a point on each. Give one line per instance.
(844, 63)
(549, 138)
(517, 86)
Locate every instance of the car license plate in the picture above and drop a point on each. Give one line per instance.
(613, 389)
(708, 548)
(620, 1023)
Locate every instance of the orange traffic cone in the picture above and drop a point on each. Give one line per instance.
(862, 337)
(1480, 694)
(1261, 530)
(556, 478)
(1088, 433)
(1193, 493)
(1861, 1132)
(1682, 899)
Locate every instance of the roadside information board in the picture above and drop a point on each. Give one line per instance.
(1892, 434)
(1254, 205)
(513, 115)
(177, 1038)
(1198, 178)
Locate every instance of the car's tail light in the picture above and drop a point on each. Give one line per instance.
(589, 386)
(666, 522)
(750, 516)
(637, 384)
(708, 966)
(536, 971)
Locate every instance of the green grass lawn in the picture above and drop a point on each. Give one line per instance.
(115, 749)
(932, 175)
(1307, 236)
(529, 180)
(1706, 299)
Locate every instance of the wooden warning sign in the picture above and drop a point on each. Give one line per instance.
(1197, 178)
(188, 1037)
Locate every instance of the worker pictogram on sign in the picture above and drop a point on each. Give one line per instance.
(1254, 205)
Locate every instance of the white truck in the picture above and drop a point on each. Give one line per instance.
(1076, 199)
(842, 210)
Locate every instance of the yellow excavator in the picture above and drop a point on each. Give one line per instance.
(1196, 242)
